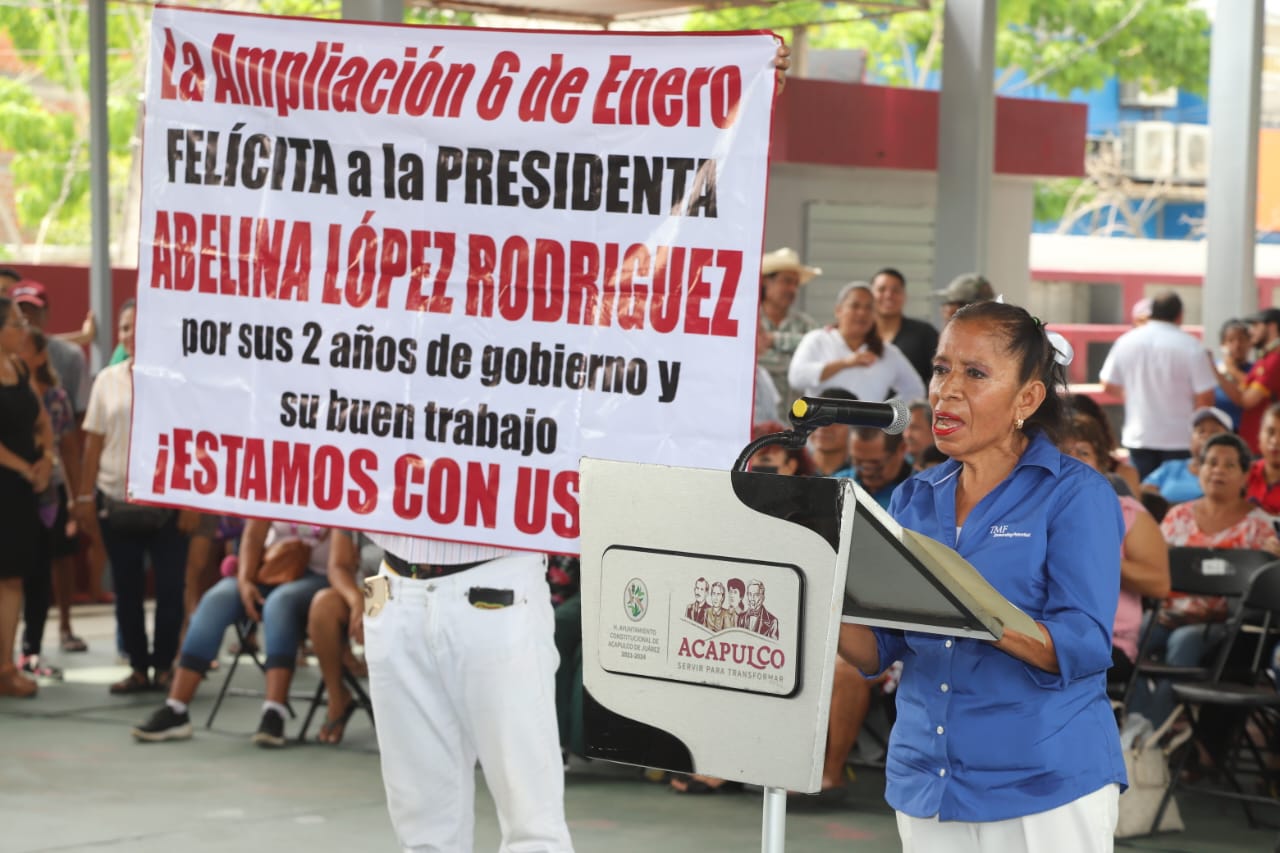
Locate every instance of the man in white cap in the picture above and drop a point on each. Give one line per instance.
(1178, 480)
(67, 358)
(963, 289)
(1141, 312)
(781, 328)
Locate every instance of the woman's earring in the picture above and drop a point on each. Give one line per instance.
(1018, 423)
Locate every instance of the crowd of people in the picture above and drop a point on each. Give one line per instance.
(63, 455)
(1197, 463)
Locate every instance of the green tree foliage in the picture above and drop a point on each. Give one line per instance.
(1060, 45)
(1054, 46)
(1054, 198)
(44, 112)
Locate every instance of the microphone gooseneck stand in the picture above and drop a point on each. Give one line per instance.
(802, 423)
(773, 834)
(806, 415)
(791, 439)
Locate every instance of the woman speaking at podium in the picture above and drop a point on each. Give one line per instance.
(1007, 746)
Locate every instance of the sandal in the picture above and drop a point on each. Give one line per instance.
(134, 682)
(332, 731)
(682, 784)
(32, 666)
(72, 643)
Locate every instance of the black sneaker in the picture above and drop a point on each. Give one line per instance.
(270, 733)
(164, 724)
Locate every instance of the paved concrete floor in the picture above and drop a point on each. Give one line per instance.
(71, 779)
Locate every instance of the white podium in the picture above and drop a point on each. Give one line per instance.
(666, 689)
(711, 608)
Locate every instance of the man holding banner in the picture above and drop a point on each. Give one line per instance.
(479, 256)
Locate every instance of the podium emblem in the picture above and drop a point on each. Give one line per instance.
(635, 599)
(705, 620)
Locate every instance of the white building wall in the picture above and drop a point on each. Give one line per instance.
(793, 188)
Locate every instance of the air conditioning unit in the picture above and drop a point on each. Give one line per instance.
(1148, 150)
(1193, 153)
(1136, 94)
(1104, 151)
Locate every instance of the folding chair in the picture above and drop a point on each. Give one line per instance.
(1251, 696)
(244, 629)
(358, 695)
(1222, 572)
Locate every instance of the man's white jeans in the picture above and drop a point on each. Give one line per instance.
(453, 683)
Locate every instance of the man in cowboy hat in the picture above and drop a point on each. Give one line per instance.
(781, 274)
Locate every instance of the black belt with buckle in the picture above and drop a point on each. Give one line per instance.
(421, 571)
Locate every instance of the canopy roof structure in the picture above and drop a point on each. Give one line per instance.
(606, 13)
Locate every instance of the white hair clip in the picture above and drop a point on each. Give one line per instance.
(1063, 352)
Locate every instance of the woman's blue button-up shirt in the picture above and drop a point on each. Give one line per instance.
(980, 735)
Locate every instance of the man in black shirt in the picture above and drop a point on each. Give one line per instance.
(917, 339)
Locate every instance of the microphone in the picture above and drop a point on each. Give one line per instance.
(892, 416)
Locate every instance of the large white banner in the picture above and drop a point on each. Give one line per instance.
(401, 279)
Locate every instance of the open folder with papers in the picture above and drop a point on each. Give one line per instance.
(898, 578)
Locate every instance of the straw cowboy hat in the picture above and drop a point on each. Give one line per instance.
(787, 259)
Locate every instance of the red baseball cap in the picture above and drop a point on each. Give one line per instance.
(30, 292)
